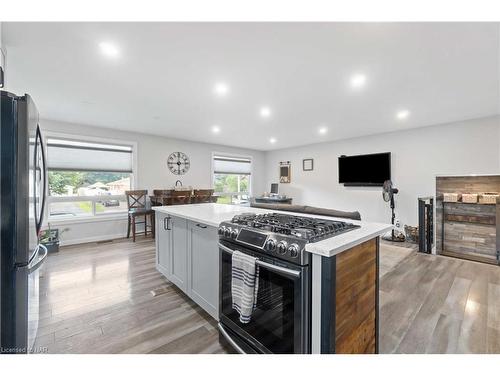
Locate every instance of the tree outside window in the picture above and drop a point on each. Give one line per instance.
(232, 188)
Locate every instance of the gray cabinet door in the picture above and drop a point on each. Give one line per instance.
(163, 243)
(178, 252)
(204, 266)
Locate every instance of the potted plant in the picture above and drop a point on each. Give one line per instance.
(50, 239)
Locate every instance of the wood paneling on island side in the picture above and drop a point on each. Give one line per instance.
(355, 310)
(470, 230)
(350, 282)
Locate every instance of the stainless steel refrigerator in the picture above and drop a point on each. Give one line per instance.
(23, 191)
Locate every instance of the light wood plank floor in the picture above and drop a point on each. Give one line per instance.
(437, 304)
(95, 298)
(391, 256)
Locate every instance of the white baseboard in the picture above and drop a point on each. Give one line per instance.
(106, 237)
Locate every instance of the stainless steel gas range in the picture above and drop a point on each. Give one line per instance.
(281, 320)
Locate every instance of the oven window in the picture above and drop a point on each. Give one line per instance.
(272, 322)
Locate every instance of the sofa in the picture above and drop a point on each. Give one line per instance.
(354, 215)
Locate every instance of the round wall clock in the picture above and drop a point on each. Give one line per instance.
(178, 163)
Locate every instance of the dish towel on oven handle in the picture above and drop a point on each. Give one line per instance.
(244, 284)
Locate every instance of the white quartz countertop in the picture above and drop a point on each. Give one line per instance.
(213, 214)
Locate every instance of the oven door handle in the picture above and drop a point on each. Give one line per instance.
(230, 339)
(270, 266)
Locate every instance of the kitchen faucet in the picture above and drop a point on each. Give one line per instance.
(178, 181)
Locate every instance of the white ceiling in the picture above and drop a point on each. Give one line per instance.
(162, 82)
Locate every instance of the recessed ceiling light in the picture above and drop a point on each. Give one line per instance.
(215, 129)
(402, 114)
(265, 112)
(272, 140)
(221, 89)
(358, 81)
(323, 130)
(109, 49)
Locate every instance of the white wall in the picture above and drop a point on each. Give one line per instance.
(418, 155)
(152, 172)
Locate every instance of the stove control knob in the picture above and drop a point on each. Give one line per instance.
(293, 250)
(221, 230)
(282, 245)
(234, 233)
(270, 245)
(227, 232)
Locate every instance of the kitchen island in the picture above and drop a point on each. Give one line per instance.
(343, 272)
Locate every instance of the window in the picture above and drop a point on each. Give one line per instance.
(232, 178)
(87, 179)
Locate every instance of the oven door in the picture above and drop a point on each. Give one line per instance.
(280, 322)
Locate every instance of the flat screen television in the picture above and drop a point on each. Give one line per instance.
(365, 170)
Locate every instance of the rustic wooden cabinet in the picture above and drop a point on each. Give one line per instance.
(468, 230)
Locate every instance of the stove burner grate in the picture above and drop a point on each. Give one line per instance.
(298, 226)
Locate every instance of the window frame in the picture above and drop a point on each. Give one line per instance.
(94, 199)
(229, 155)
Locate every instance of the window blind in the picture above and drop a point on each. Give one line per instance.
(232, 165)
(65, 155)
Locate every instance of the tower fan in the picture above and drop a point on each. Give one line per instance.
(388, 192)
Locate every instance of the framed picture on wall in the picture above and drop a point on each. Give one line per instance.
(285, 177)
(307, 164)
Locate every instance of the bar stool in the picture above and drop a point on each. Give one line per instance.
(138, 206)
(202, 195)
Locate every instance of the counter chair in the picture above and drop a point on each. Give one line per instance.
(161, 192)
(203, 195)
(180, 197)
(138, 206)
(160, 197)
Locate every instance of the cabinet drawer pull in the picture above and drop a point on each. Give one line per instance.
(201, 226)
(166, 223)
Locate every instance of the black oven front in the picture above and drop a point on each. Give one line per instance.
(280, 322)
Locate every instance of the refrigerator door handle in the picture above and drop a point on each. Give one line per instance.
(39, 140)
(45, 182)
(34, 265)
